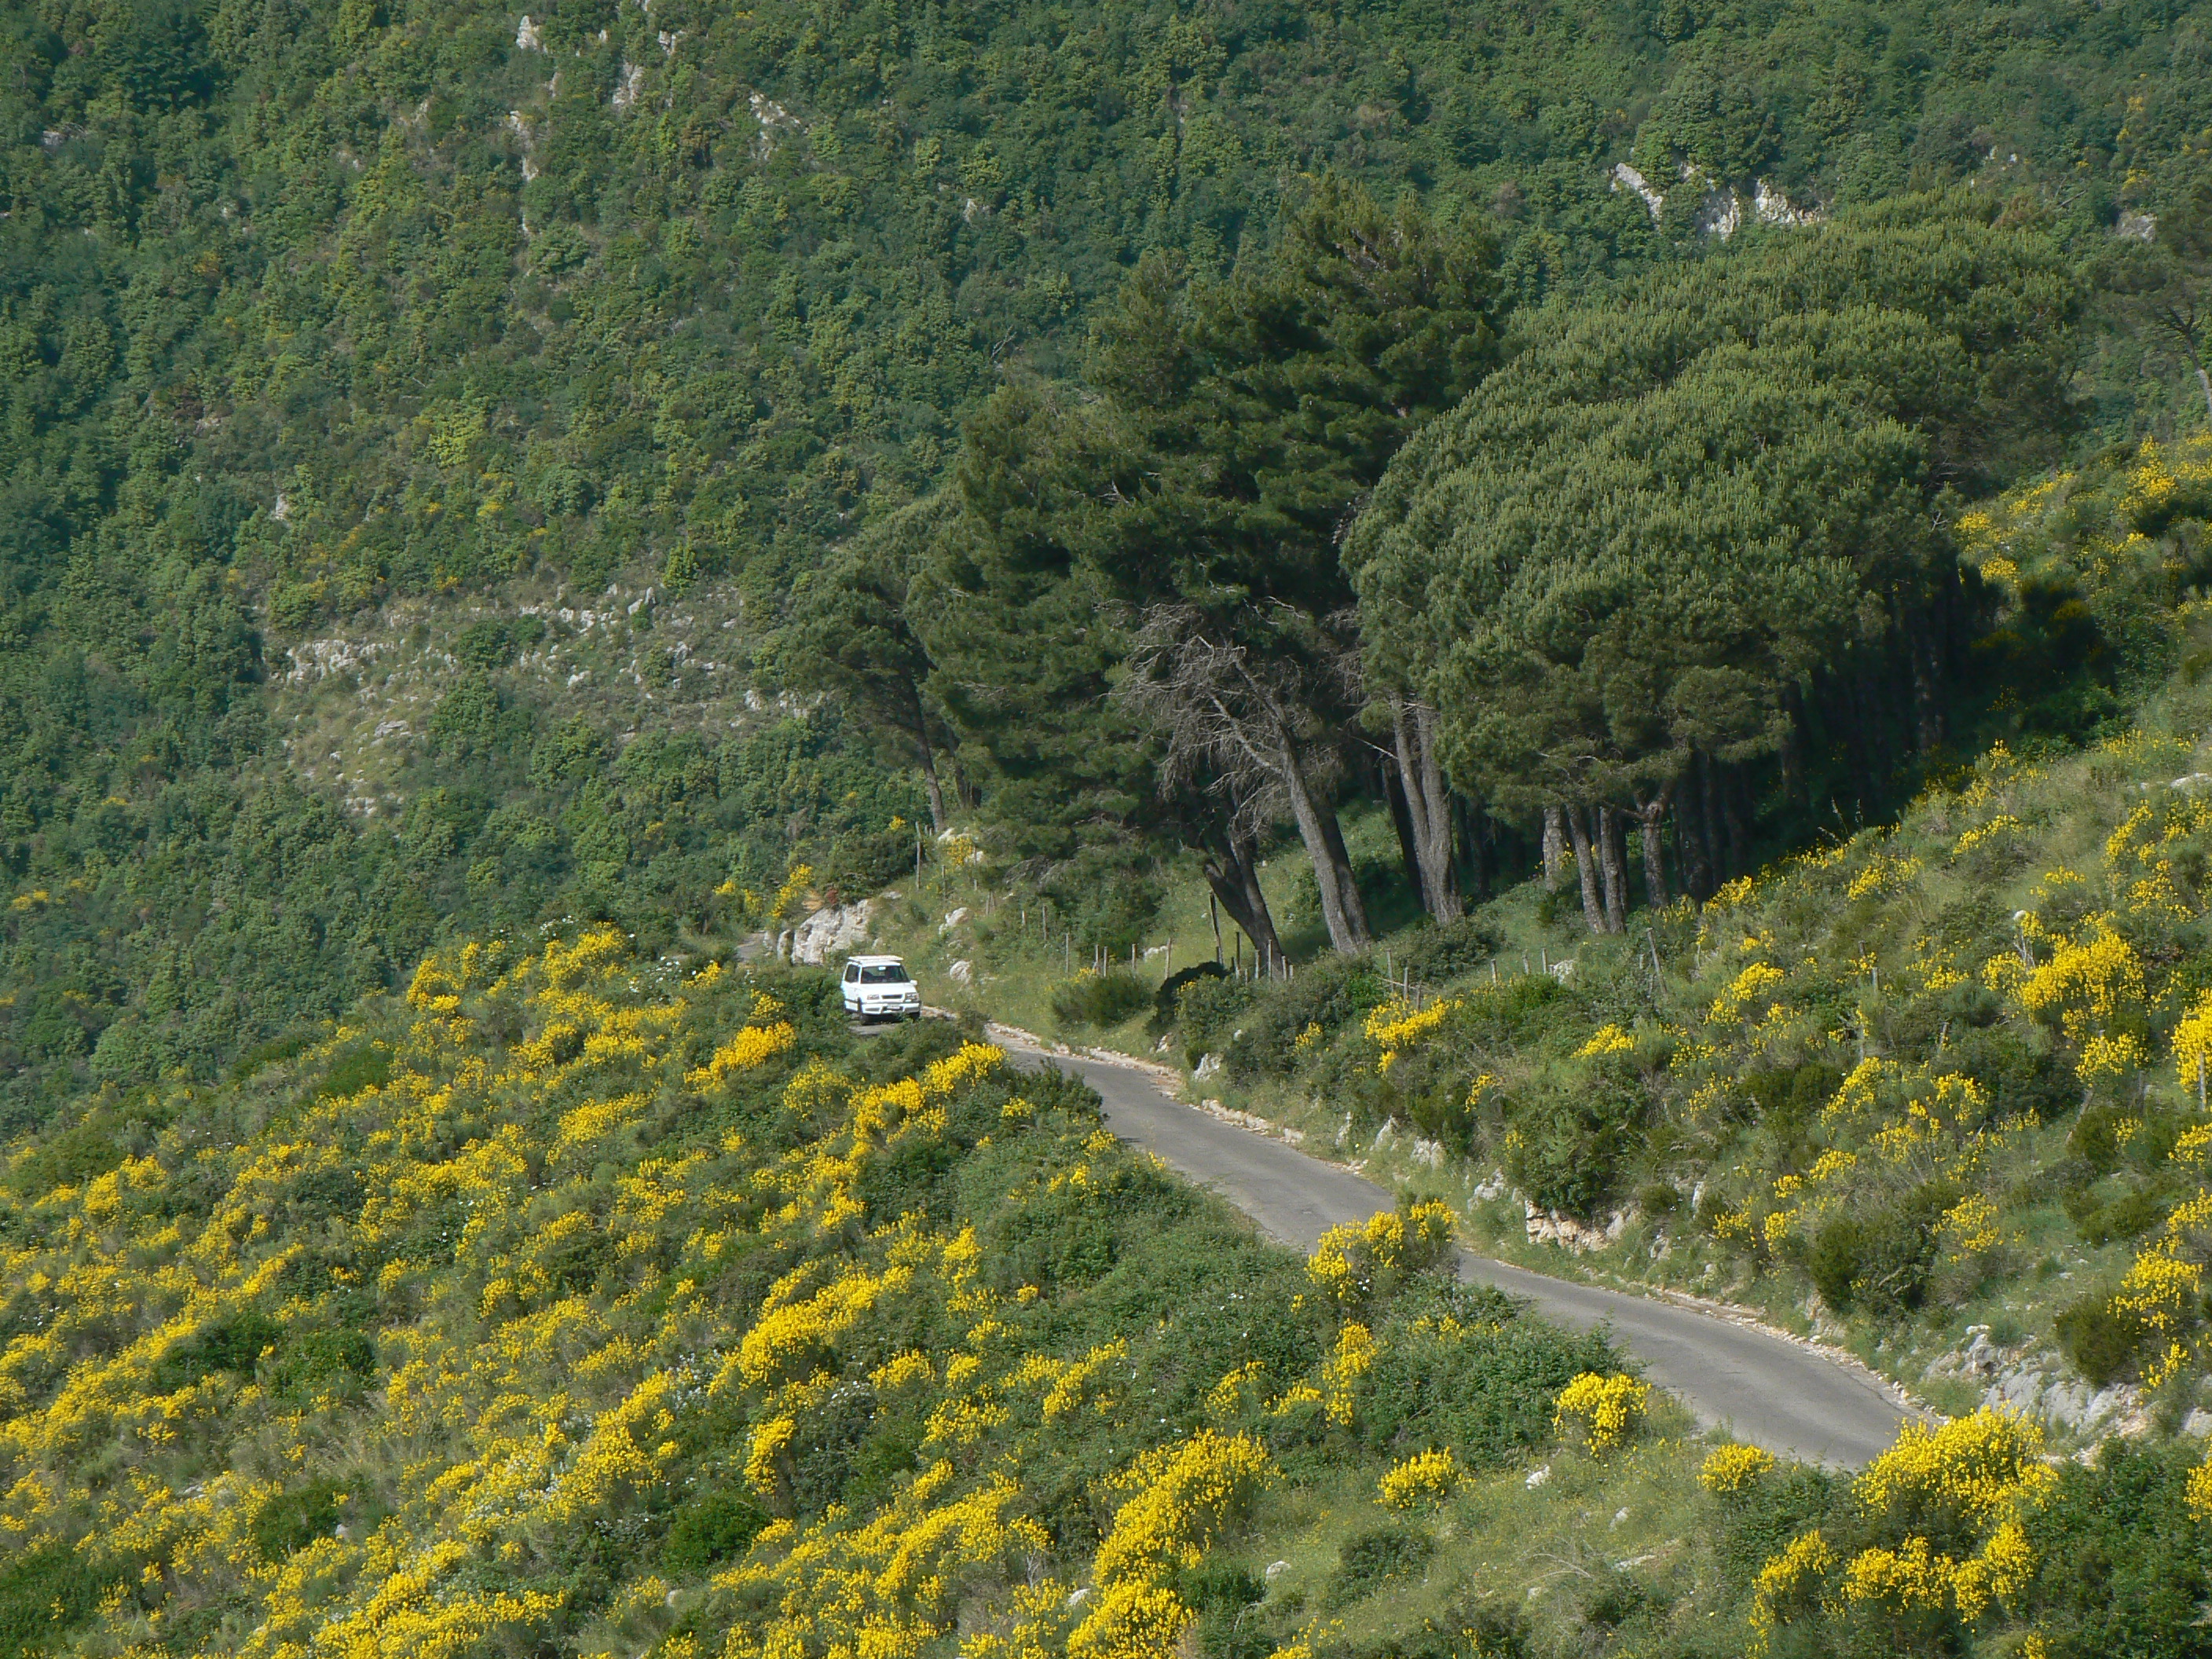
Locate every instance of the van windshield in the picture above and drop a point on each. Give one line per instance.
(893, 974)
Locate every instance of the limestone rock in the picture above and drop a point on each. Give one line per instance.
(834, 928)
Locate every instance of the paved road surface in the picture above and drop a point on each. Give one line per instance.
(1770, 1392)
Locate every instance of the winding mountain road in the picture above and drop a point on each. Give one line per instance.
(1763, 1389)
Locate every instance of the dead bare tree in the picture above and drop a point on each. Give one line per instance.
(1250, 723)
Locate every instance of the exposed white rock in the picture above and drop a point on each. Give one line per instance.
(526, 36)
(2137, 227)
(953, 919)
(1625, 177)
(1773, 208)
(1550, 1227)
(1208, 1066)
(831, 929)
(631, 83)
(2022, 1380)
(1721, 210)
(962, 972)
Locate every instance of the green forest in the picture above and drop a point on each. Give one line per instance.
(1627, 587)
(354, 338)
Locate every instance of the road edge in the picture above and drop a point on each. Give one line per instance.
(1014, 1037)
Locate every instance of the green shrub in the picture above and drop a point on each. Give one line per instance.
(1219, 1592)
(1331, 993)
(1167, 1002)
(234, 1346)
(1208, 1011)
(2120, 1567)
(1370, 1559)
(311, 1362)
(1881, 1260)
(368, 1065)
(1832, 1260)
(48, 1592)
(1790, 1098)
(2095, 1139)
(2099, 1337)
(1484, 1630)
(1102, 1001)
(2128, 1216)
(1769, 1514)
(293, 1520)
(1573, 1143)
(1437, 956)
(276, 1050)
(1487, 1393)
(83, 1152)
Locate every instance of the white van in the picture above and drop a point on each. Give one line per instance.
(879, 987)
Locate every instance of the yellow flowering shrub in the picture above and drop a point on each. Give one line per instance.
(1397, 1024)
(1975, 1478)
(1350, 1261)
(1601, 1411)
(1425, 1478)
(1732, 1469)
(1752, 987)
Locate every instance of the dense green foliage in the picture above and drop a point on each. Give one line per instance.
(1629, 549)
(309, 309)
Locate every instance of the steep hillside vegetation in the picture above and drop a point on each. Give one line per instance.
(354, 350)
(583, 1302)
(1923, 1078)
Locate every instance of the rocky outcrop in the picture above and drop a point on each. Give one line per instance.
(2017, 1379)
(1550, 1227)
(1720, 208)
(833, 929)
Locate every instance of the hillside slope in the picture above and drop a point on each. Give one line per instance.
(1931, 1089)
(586, 1303)
(352, 353)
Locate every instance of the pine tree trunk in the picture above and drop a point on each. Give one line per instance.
(1413, 728)
(1793, 743)
(1402, 820)
(1648, 819)
(1717, 844)
(1340, 908)
(1920, 662)
(1613, 863)
(1691, 843)
(1586, 867)
(1555, 848)
(936, 790)
(1232, 872)
(1470, 822)
(1729, 785)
